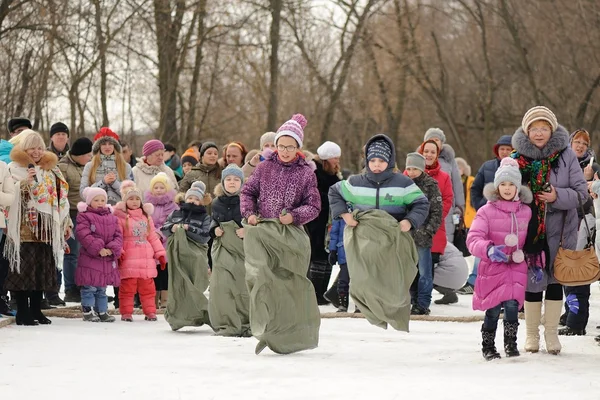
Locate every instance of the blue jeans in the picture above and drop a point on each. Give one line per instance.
(511, 314)
(425, 285)
(473, 276)
(70, 261)
(94, 296)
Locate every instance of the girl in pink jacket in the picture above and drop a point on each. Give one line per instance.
(497, 236)
(142, 248)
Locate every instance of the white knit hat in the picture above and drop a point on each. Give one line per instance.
(508, 171)
(329, 150)
(539, 113)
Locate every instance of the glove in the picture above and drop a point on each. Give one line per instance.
(538, 274)
(333, 258)
(496, 254)
(163, 262)
(573, 303)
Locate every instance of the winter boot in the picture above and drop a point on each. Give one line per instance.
(35, 301)
(73, 295)
(319, 274)
(567, 331)
(563, 319)
(164, 297)
(56, 301)
(450, 296)
(357, 310)
(552, 310)
(343, 303)
(488, 346)
(5, 307)
(510, 339)
(151, 317)
(127, 318)
(89, 315)
(104, 317)
(533, 317)
(23, 316)
(331, 295)
(419, 310)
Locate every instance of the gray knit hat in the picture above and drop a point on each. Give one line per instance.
(230, 170)
(435, 133)
(508, 172)
(415, 160)
(266, 138)
(198, 189)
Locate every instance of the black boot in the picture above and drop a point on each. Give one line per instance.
(567, 331)
(450, 296)
(343, 303)
(5, 307)
(319, 274)
(331, 295)
(488, 346)
(24, 316)
(510, 339)
(563, 319)
(36, 308)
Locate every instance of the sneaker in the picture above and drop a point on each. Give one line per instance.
(104, 317)
(89, 315)
(467, 289)
(127, 317)
(151, 317)
(418, 310)
(72, 296)
(56, 301)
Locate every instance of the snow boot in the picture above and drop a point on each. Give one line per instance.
(73, 295)
(151, 317)
(331, 295)
(5, 307)
(89, 315)
(510, 339)
(488, 346)
(104, 317)
(56, 301)
(23, 316)
(533, 317)
(35, 304)
(552, 310)
(563, 319)
(343, 303)
(127, 318)
(418, 310)
(449, 297)
(567, 331)
(319, 275)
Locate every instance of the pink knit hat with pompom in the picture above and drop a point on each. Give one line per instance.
(129, 189)
(293, 128)
(90, 192)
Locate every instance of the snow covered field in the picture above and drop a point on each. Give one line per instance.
(71, 359)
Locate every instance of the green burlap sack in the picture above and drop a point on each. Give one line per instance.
(229, 301)
(283, 306)
(382, 265)
(188, 280)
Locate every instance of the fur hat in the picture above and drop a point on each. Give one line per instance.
(129, 189)
(161, 177)
(435, 133)
(198, 189)
(415, 160)
(266, 138)
(539, 113)
(508, 172)
(234, 170)
(293, 128)
(329, 150)
(104, 135)
(19, 122)
(90, 192)
(152, 146)
(59, 127)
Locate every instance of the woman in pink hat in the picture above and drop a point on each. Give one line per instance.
(151, 164)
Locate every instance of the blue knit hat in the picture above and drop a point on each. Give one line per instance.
(232, 169)
(379, 149)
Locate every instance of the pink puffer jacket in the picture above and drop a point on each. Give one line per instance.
(497, 282)
(141, 244)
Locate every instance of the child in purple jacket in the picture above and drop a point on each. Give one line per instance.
(162, 196)
(101, 243)
(497, 236)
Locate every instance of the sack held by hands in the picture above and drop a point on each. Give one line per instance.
(576, 267)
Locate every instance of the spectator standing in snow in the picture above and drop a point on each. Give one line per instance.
(172, 160)
(208, 171)
(59, 139)
(497, 237)
(485, 175)
(7, 197)
(151, 164)
(14, 126)
(550, 168)
(254, 157)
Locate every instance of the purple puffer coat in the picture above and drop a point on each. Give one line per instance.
(275, 186)
(496, 281)
(163, 206)
(97, 229)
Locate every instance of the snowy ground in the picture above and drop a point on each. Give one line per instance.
(71, 359)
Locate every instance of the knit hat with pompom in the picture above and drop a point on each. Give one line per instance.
(198, 189)
(129, 190)
(293, 128)
(508, 172)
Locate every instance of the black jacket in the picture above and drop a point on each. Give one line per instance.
(224, 209)
(195, 217)
(424, 235)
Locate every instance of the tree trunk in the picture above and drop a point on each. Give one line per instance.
(102, 55)
(192, 111)
(25, 81)
(276, 6)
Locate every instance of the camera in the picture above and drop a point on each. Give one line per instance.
(547, 187)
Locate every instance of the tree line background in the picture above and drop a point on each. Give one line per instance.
(233, 69)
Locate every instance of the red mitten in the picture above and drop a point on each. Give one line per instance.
(163, 262)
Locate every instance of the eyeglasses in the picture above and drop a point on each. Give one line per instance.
(539, 130)
(580, 143)
(289, 149)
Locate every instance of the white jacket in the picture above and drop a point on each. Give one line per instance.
(7, 192)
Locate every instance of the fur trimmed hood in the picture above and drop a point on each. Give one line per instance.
(168, 197)
(558, 142)
(447, 153)
(491, 194)
(48, 161)
(82, 206)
